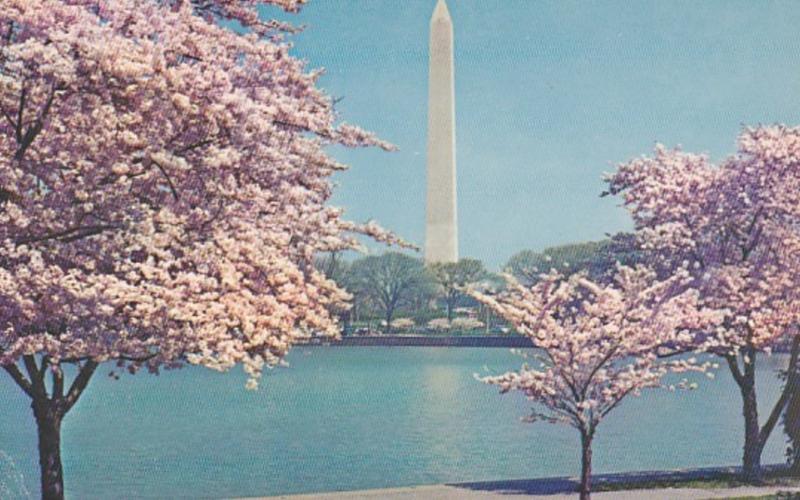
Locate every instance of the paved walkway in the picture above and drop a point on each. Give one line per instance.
(563, 488)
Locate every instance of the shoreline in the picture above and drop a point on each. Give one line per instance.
(507, 341)
(620, 485)
(491, 341)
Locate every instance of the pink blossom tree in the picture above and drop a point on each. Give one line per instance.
(735, 227)
(596, 344)
(164, 188)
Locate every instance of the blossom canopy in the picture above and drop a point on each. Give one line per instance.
(163, 185)
(734, 224)
(597, 344)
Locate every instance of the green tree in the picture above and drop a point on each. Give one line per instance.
(336, 268)
(389, 281)
(452, 277)
(598, 258)
(490, 284)
(333, 265)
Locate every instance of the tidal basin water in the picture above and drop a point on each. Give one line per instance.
(345, 418)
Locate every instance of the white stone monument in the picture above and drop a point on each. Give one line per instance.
(441, 231)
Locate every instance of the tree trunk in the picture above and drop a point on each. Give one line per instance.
(754, 436)
(450, 304)
(753, 445)
(791, 415)
(49, 411)
(389, 314)
(48, 423)
(586, 466)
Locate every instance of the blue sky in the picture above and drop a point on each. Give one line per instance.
(549, 95)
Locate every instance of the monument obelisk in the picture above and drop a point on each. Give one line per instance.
(441, 231)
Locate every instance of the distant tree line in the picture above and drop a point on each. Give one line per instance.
(598, 258)
(395, 291)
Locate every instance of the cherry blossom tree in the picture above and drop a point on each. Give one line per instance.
(597, 344)
(163, 191)
(735, 227)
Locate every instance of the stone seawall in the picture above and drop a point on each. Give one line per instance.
(431, 341)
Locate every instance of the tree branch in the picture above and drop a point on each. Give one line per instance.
(672, 353)
(20, 379)
(43, 366)
(79, 384)
(58, 382)
(616, 403)
(69, 235)
(169, 180)
(196, 145)
(9, 119)
(134, 359)
(78, 359)
(20, 113)
(597, 368)
(37, 382)
(25, 140)
(735, 371)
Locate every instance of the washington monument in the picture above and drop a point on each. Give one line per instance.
(441, 231)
